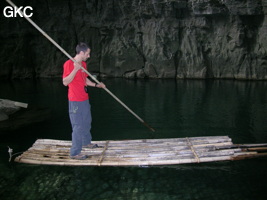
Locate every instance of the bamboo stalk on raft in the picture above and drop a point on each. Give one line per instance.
(91, 76)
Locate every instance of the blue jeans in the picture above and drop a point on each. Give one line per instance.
(80, 117)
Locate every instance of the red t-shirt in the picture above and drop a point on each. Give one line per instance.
(76, 90)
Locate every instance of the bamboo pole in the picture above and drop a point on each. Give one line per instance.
(91, 76)
(102, 154)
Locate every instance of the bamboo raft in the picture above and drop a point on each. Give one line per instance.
(143, 152)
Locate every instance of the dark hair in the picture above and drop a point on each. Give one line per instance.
(81, 47)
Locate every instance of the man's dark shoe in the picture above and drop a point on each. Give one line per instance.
(79, 157)
(91, 146)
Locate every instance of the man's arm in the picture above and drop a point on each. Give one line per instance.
(93, 84)
(68, 79)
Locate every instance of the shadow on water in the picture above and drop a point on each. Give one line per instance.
(173, 108)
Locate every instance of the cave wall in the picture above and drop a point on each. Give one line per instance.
(140, 38)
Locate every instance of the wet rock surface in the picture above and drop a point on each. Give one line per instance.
(23, 118)
(141, 38)
(7, 107)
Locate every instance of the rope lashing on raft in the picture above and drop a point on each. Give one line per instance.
(10, 151)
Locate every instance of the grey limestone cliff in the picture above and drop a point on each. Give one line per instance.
(141, 38)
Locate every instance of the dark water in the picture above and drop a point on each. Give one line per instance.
(174, 108)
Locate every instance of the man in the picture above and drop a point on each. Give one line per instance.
(79, 107)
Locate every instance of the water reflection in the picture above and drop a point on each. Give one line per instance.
(174, 108)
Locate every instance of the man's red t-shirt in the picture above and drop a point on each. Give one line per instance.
(76, 90)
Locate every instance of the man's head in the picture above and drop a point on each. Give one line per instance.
(83, 50)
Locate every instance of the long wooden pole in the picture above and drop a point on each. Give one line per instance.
(63, 51)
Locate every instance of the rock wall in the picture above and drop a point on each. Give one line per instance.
(141, 38)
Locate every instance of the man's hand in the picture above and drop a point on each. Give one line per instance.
(77, 66)
(101, 85)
